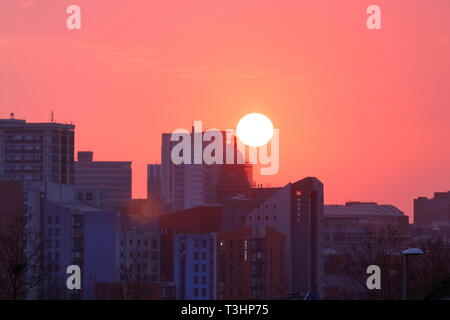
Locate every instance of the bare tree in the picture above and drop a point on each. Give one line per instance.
(379, 246)
(383, 247)
(429, 270)
(136, 277)
(21, 249)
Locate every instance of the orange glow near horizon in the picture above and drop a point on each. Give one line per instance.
(364, 111)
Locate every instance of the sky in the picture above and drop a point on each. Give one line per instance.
(365, 111)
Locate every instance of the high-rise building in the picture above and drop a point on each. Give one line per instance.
(153, 180)
(295, 210)
(189, 185)
(113, 178)
(42, 152)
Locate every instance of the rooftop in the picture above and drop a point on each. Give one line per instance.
(362, 209)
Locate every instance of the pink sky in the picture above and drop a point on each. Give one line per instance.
(367, 112)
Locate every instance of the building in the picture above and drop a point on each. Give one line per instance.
(60, 232)
(186, 186)
(433, 212)
(113, 178)
(153, 180)
(250, 264)
(78, 234)
(138, 255)
(40, 152)
(199, 220)
(193, 266)
(296, 210)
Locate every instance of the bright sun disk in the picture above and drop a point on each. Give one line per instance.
(255, 129)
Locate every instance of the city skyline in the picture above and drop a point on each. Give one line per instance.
(365, 111)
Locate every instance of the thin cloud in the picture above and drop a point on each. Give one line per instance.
(25, 4)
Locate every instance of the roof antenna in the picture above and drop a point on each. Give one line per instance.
(52, 119)
(11, 115)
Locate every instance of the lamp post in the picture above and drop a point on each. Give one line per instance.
(406, 253)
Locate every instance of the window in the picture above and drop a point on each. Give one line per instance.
(196, 280)
(203, 267)
(195, 292)
(203, 292)
(195, 267)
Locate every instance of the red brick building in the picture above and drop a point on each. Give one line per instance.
(250, 264)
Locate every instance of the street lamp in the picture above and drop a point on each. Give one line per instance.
(406, 253)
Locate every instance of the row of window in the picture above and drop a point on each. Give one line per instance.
(27, 177)
(26, 167)
(27, 157)
(197, 255)
(258, 218)
(251, 207)
(140, 266)
(196, 280)
(197, 291)
(138, 243)
(197, 267)
(139, 254)
(27, 147)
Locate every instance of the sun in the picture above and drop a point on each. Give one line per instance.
(254, 129)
